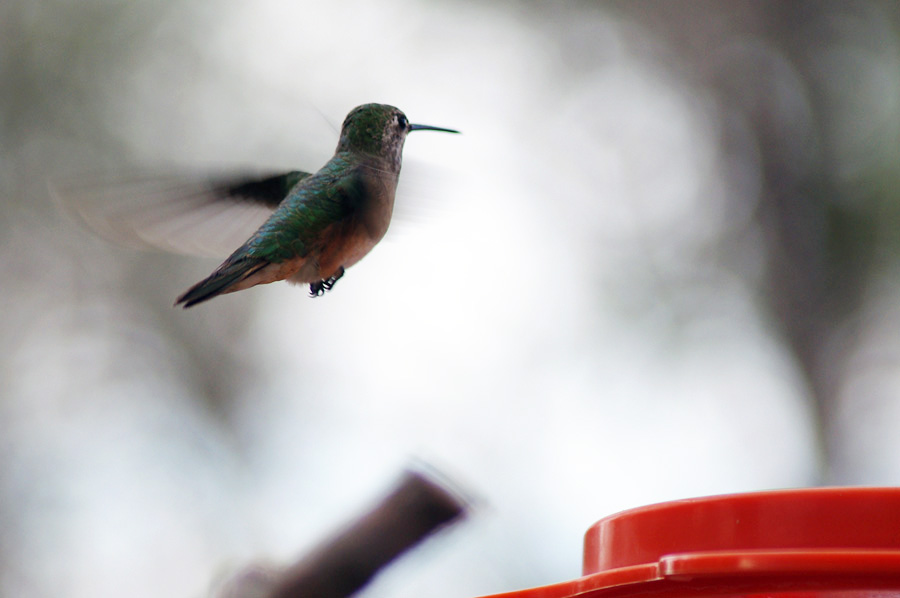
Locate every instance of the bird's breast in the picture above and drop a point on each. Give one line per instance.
(352, 239)
(377, 211)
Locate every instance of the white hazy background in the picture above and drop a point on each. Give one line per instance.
(574, 312)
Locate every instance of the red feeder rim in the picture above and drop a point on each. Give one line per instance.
(802, 543)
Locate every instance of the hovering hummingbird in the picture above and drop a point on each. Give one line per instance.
(325, 222)
(317, 225)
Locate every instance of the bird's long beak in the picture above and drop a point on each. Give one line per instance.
(430, 128)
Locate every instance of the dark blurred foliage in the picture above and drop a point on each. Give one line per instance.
(817, 85)
(808, 94)
(64, 68)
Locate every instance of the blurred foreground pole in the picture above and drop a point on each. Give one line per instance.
(417, 507)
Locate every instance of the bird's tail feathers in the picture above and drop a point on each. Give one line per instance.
(227, 276)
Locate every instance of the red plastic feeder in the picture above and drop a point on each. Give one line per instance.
(815, 542)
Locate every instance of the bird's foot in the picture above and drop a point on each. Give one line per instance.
(317, 289)
(327, 284)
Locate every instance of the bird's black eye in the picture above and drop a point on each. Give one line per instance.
(401, 120)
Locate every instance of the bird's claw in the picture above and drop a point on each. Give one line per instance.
(317, 289)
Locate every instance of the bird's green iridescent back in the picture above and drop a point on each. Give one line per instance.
(323, 199)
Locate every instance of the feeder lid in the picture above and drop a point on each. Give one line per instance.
(807, 543)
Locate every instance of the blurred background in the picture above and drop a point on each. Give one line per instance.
(661, 262)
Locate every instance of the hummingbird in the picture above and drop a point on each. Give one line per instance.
(316, 225)
(324, 222)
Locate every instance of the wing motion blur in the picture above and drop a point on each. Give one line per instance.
(205, 216)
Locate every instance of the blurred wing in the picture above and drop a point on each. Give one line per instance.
(182, 214)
